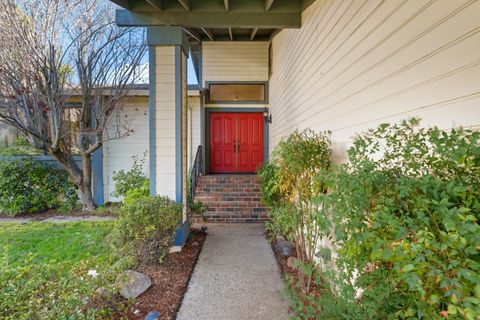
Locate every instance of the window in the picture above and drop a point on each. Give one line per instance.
(247, 92)
(71, 127)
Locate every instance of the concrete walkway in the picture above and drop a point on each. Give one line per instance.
(236, 277)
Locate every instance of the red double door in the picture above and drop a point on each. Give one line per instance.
(236, 142)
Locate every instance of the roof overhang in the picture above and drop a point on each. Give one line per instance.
(215, 20)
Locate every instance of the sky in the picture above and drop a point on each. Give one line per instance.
(192, 78)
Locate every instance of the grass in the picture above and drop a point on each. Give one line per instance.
(44, 269)
(55, 242)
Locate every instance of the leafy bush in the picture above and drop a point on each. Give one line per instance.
(146, 226)
(21, 147)
(398, 225)
(131, 179)
(137, 193)
(289, 184)
(400, 222)
(28, 186)
(405, 211)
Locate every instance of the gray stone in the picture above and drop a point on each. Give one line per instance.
(284, 247)
(131, 283)
(175, 249)
(153, 315)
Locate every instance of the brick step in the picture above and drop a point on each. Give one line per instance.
(231, 199)
(228, 189)
(239, 195)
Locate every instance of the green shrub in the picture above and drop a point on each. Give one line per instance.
(405, 211)
(28, 186)
(146, 227)
(131, 179)
(142, 192)
(400, 222)
(21, 147)
(289, 184)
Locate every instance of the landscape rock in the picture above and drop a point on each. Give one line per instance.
(291, 262)
(153, 315)
(284, 247)
(131, 283)
(175, 249)
(103, 294)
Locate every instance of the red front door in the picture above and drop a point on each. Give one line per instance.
(236, 141)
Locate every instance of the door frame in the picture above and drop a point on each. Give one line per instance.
(209, 110)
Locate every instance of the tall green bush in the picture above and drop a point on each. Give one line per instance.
(406, 212)
(288, 186)
(402, 220)
(28, 186)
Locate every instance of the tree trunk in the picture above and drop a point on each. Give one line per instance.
(81, 177)
(85, 188)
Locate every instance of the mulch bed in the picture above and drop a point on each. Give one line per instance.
(169, 281)
(282, 260)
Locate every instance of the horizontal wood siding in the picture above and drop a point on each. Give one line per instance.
(127, 137)
(357, 63)
(234, 61)
(184, 135)
(165, 120)
(194, 107)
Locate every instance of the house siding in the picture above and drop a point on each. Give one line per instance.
(356, 64)
(194, 127)
(121, 146)
(184, 140)
(165, 121)
(234, 61)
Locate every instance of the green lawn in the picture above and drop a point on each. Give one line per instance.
(60, 242)
(46, 269)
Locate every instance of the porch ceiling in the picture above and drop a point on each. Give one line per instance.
(215, 20)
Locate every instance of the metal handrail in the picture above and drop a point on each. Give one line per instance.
(196, 172)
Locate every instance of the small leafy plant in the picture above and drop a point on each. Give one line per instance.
(130, 179)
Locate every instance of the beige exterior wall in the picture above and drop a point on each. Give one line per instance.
(193, 127)
(118, 153)
(165, 120)
(234, 61)
(184, 134)
(356, 64)
(127, 136)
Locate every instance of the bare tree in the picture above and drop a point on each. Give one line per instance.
(52, 51)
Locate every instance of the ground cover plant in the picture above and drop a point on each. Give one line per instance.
(402, 220)
(50, 271)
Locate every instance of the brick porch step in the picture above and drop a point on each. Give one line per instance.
(231, 198)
